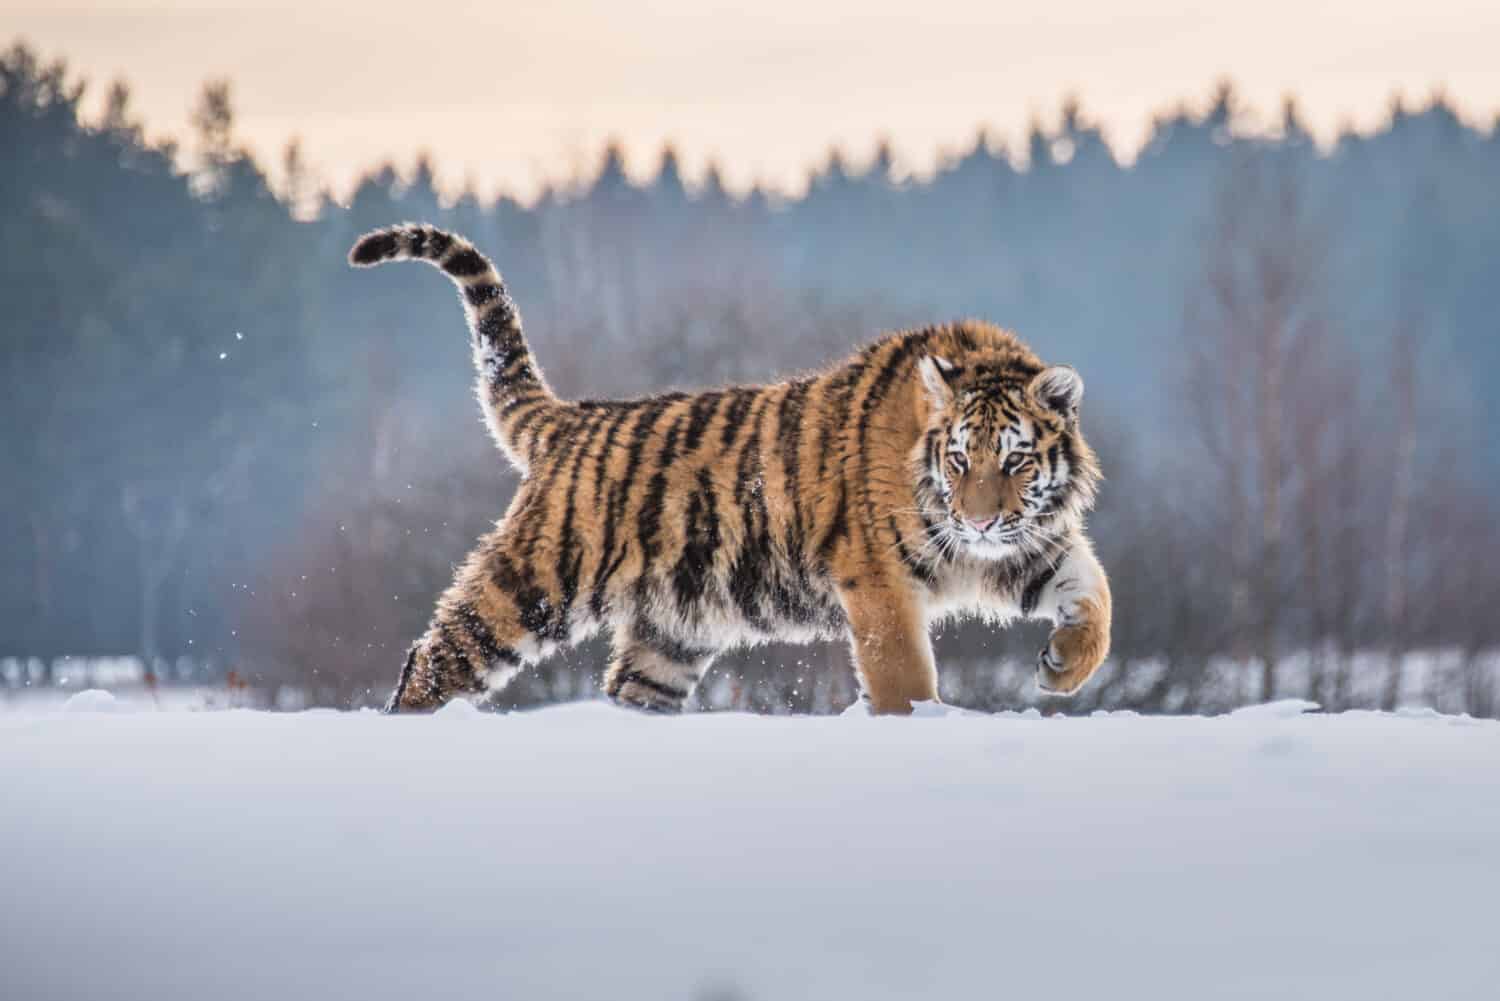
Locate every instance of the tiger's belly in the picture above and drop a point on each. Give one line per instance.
(745, 604)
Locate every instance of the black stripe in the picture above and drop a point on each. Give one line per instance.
(513, 361)
(499, 324)
(466, 264)
(934, 450)
(569, 553)
(617, 416)
(789, 438)
(417, 241)
(480, 633)
(478, 295)
(749, 478)
(704, 408)
(518, 426)
(535, 611)
(523, 375)
(518, 400)
(838, 528)
(645, 424)
(750, 572)
(452, 671)
(1059, 494)
(630, 676)
(394, 705)
(562, 429)
(1033, 593)
(734, 417)
(375, 247)
(1005, 576)
(438, 243)
(604, 570)
(882, 383)
(701, 543)
(648, 518)
(515, 581)
(836, 411)
(918, 567)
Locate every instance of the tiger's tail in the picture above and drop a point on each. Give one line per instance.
(512, 392)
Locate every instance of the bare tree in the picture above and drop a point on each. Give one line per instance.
(1256, 315)
(1397, 531)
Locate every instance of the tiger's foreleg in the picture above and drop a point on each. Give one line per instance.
(892, 650)
(1077, 601)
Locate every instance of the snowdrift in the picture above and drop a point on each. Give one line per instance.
(585, 852)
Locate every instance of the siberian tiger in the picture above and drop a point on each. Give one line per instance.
(936, 472)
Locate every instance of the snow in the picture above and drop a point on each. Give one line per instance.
(1280, 709)
(91, 700)
(586, 852)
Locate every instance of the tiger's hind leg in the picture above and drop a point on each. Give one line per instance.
(653, 671)
(458, 655)
(494, 620)
(462, 653)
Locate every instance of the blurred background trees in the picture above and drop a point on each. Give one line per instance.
(225, 450)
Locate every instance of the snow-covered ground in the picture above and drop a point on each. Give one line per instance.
(585, 852)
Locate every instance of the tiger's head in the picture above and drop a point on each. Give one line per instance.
(1003, 460)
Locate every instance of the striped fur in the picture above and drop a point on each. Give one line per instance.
(516, 400)
(937, 472)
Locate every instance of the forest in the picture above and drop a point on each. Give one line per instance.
(233, 459)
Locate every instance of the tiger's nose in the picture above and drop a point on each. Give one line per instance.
(980, 524)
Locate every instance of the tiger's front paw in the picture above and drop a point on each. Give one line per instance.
(1074, 651)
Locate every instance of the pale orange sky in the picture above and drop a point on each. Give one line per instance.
(512, 95)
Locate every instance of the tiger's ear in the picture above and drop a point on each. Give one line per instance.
(1059, 389)
(938, 374)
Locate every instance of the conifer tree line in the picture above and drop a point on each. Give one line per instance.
(224, 450)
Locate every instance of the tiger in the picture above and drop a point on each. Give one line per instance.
(935, 473)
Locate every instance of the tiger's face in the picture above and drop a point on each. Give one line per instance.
(1003, 455)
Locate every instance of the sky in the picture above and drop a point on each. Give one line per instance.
(513, 96)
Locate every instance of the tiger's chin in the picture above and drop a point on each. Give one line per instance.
(995, 549)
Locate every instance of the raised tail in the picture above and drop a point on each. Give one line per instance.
(515, 397)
